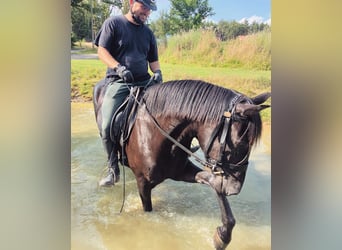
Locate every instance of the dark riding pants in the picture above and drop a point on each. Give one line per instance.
(115, 95)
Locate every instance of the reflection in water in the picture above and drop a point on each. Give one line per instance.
(184, 215)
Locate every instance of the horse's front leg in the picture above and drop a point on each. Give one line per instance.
(189, 173)
(145, 188)
(223, 234)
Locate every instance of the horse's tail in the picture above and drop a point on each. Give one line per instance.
(97, 98)
(98, 91)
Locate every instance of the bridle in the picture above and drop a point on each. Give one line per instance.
(215, 166)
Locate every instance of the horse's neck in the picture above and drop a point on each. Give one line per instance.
(204, 133)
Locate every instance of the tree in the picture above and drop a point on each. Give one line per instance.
(188, 14)
(79, 20)
(76, 3)
(256, 27)
(125, 6)
(87, 17)
(230, 30)
(161, 27)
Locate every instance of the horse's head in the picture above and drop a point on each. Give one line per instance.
(230, 142)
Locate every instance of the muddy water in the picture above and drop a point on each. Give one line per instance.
(184, 215)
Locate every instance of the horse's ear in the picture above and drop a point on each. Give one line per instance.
(249, 109)
(261, 98)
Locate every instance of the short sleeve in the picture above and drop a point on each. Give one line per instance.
(104, 37)
(153, 52)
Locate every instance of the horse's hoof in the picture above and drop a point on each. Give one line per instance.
(107, 181)
(218, 242)
(116, 178)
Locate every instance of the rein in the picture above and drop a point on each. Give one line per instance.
(185, 149)
(215, 166)
(163, 132)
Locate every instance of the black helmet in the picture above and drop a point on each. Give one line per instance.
(151, 4)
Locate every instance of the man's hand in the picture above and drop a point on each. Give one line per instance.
(158, 77)
(124, 73)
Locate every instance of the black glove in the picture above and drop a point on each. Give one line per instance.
(158, 77)
(124, 73)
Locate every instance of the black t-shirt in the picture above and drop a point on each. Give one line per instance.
(131, 45)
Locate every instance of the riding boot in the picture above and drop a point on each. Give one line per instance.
(113, 173)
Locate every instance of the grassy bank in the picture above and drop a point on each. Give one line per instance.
(86, 73)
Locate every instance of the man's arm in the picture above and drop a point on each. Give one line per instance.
(106, 57)
(154, 66)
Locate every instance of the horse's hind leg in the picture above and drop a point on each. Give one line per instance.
(145, 193)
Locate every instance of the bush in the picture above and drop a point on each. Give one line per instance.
(202, 47)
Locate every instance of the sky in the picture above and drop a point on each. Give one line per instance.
(229, 10)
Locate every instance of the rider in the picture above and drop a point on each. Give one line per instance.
(127, 46)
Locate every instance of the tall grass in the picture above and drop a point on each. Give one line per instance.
(201, 47)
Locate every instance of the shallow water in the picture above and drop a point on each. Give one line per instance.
(184, 215)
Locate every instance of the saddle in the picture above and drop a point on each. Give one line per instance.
(124, 117)
(123, 120)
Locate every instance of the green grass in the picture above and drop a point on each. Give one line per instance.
(86, 73)
(250, 82)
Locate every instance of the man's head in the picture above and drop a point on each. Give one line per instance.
(141, 9)
(151, 4)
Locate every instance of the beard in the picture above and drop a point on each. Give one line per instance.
(136, 18)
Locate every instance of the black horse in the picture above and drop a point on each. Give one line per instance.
(226, 124)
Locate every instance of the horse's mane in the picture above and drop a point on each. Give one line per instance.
(188, 99)
(192, 100)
